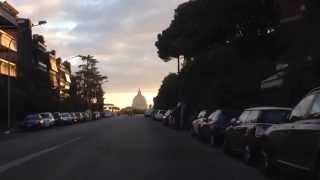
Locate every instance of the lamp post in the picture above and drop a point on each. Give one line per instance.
(9, 81)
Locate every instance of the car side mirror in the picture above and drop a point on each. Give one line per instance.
(293, 118)
(233, 120)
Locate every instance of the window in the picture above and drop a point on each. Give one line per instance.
(13, 71)
(214, 116)
(253, 117)
(4, 69)
(8, 68)
(44, 115)
(244, 116)
(315, 109)
(202, 114)
(274, 116)
(302, 108)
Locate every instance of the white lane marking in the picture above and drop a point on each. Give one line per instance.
(27, 158)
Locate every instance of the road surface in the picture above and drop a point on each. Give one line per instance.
(117, 148)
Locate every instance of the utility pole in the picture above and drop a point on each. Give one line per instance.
(9, 104)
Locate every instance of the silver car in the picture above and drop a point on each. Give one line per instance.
(48, 119)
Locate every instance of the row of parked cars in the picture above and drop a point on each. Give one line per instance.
(272, 138)
(47, 119)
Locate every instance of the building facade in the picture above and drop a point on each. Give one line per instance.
(64, 78)
(8, 59)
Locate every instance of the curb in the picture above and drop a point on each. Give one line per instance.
(8, 132)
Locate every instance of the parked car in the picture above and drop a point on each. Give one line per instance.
(148, 113)
(63, 118)
(245, 136)
(57, 117)
(33, 121)
(108, 114)
(48, 119)
(74, 117)
(296, 144)
(159, 115)
(88, 116)
(80, 116)
(213, 129)
(96, 115)
(202, 116)
(166, 117)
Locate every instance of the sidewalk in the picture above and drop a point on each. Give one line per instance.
(5, 133)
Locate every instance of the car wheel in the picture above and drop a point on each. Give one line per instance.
(248, 155)
(267, 165)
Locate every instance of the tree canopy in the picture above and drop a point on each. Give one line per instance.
(199, 24)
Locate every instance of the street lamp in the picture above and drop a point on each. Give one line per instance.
(9, 83)
(71, 58)
(39, 23)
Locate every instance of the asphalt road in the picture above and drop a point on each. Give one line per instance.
(118, 148)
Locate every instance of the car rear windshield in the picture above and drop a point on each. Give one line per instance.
(32, 117)
(45, 115)
(274, 116)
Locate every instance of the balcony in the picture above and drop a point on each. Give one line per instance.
(7, 42)
(8, 68)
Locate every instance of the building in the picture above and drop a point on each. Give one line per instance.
(8, 59)
(48, 71)
(64, 78)
(139, 102)
(8, 41)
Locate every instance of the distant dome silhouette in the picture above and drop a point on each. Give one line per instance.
(139, 102)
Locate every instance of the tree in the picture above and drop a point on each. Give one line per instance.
(86, 88)
(227, 46)
(168, 93)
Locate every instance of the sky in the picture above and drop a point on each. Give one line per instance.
(119, 33)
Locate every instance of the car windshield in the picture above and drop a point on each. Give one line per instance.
(274, 116)
(214, 116)
(243, 117)
(202, 114)
(45, 115)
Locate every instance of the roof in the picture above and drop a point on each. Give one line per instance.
(268, 108)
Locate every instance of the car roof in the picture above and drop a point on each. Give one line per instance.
(268, 108)
(314, 91)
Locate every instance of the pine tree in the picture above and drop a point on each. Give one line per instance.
(88, 84)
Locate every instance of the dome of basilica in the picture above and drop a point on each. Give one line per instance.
(139, 102)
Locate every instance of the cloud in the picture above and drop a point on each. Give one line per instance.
(120, 33)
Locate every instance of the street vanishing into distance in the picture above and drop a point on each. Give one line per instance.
(117, 148)
(159, 90)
